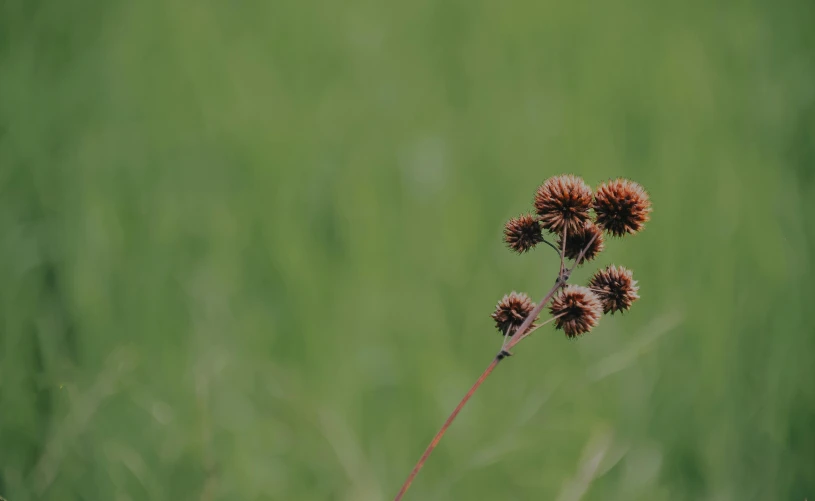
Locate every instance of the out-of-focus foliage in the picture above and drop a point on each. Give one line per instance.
(248, 249)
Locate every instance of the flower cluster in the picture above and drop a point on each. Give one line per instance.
(578, 217)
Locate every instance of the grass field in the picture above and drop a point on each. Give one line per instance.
(248, 250)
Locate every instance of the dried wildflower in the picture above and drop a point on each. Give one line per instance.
(622, 207)
(575, 243)
(563, 202)
(577, 310)
(511, 312)
(615, 287)
(522, 233)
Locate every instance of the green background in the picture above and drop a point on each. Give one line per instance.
(249, 249)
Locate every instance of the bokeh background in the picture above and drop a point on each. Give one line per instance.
(248, 249)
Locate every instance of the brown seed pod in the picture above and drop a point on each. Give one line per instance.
(563, 202)
(522, 233)
(615, 287)
(578, 241)
(511, 312)
(622, 207)
(577, 310)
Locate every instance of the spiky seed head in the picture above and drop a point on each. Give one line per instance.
(622, 207)
(616, 288)
(578, 241)
(563, 202)
(511, 311)
(522, 233)
(577, 310)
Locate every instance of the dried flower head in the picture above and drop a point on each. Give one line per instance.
(563, 202)
(622, 207)
(577, 310)
(511, 312)
(615, 287)
(522, 233)
(575, 243)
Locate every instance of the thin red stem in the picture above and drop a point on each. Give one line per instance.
(533, 329)
(563, 251)
(443, 430)
(582, 254)
(516, 338)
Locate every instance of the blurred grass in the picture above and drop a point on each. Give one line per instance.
(249, 249)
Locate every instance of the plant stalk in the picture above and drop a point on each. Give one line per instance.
(562, 278)
(437, 438)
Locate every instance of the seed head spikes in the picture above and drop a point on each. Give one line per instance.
(615, 287)
(563, 202)
(511, 311)
(622, 207)
(590, 238)
(576, 310)
(522, 233)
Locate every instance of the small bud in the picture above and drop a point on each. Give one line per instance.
(511, 312)
(577, 310)
(615, 287)
(563, 202)
(622, 207)
(522, 233)
(575, 243)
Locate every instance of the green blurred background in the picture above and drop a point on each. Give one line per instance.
(249, 249)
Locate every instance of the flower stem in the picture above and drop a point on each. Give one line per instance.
(516, 338)
(437, 438)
